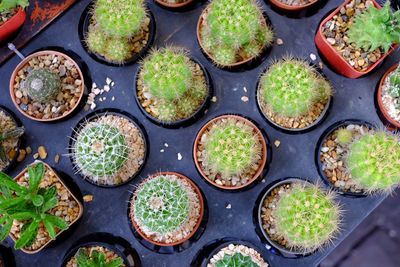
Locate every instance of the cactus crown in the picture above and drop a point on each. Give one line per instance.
(232, 147)
(307, 217)
(376, 28)
(161, 204)
(373, 161)
(344, 136)
(236, 260)
(100, 149)
(290, 87)
(120, 18)
(96, 259)
(42, 85)
(167, 73)
(394, 87)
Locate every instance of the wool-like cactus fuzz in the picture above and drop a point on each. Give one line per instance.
(344, 136)
(236, 260)
(42, 85)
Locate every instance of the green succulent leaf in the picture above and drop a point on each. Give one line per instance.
(6, 223)
(97, 259)
(8, 5)
(28, 234)
(9, 183)
(36, 174)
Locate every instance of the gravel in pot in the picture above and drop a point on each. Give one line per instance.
(230, 152)
(293, 95)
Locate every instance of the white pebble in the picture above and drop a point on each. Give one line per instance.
(108, 81)
(313, 56)
(179, 156)
(93, 106)
(106, 88)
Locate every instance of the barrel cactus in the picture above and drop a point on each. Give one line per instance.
(232, 30)
(373, 161)
(236, 260)
(42, 85)
(290, 87)
(307, 217)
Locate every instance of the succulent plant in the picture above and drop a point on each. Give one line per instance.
(376, 28)
(96, 40)
(42, 85)
(95, 259)
(8, 5)
(231, 148)
(231, 28)
(14, 133)
(373, 161)
(307, 217)
(394, 87)
(236, 260)
(117, 50)
(100, 150)
(290, 87)
(344, 136)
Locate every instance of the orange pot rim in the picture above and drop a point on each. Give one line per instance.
(379, 97)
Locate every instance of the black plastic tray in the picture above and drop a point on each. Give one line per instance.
(294, 157)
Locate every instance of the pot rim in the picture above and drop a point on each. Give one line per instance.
(174, 5)
(287, 7)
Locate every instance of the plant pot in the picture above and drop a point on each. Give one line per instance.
(84, 23)
(196, 227)
(319, 146)
(175, 6)
(96, 115)
(18, 124)
(183, 122)
(289, 8)
(6, 257)
(391, 123)
(11, 26)
(23, 64)
(72, 196)
(337, 62)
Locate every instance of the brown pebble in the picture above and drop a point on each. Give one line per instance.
(42, 152)
(21, 155)
(88, 198)
(57, 159)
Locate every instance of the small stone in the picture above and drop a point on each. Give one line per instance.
(57, 159)
(245, 99)
(42, 152)
(106, 88)
(88, 198)
(332, 41)
(21, 155)
(36, 155)
(93, 106)
(279, 41)
(228, 206)
(28, 150)
(166, 145)
(324, 149)
(277, 143)
(162, 150)
(108, 81)
(179, 156)
(214, 99)
(18, 94)
(96, 91)
(313, 56)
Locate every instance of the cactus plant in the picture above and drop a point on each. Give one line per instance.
(236, 260)
(373, 161)
(14, 133)
(307, 218)
(290, 87)
(376, 28)
(96, 259)
(394, 87)
(344, 136)
(42, 85)
(234, 30)
(8, 5)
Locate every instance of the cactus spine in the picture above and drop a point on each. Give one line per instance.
(42, 85)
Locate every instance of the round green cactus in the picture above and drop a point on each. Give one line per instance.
(121, 19)
(307, 217)
(96, 40)
(344, 136)
(42, 85)
(236, 260)
(161, 204)
(100, 150)
(117, 50)
(373, 161)
(231, 148)
(290, 87)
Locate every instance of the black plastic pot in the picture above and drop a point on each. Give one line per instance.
(312, 126)
(325, 134)
(96, 114)
(116, 244)
(6, 256)
(184, 122)
(271, 245)
(19, 124)
(83, 29)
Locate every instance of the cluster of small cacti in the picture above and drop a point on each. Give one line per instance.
(116, 22)
(373, 161)
(394, 87)
(232, 30)
(168, 75)
(231, 148)
(236, 260)
(307, 217)
(290, 87)
(376, 28)
(42, 85)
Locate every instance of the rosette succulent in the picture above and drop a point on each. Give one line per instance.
(96, 259)
(42, 85)
(236, 260)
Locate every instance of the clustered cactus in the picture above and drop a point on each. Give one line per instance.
(373, 161)
(394, 87)
(96, 259)
(376, 28)
(234, 31)
(307, 217)
(231, 148)
(14, 133)
(236, 260)
(290, 87)
(168, 74)
(115, 24)
(42, 85)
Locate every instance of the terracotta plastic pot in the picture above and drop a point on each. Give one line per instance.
(288, 8)
(23, 63)
(175, 6)
(338, 63)
(388, 119)
(196, 227)
(11, 26)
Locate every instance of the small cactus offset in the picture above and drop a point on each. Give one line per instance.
(236, 260)
(42, 85)
(307, 217)
(290, 87)
(117, 50)
(236, 28)
(394, 87)
(374, 161)
(344, 136)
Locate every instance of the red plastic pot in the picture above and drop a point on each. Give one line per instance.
(11, 26)
(288, 8)
(338, 63)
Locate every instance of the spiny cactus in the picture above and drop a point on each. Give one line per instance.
(344, 136)
(376, 28)
(231, 148)
(307, 217)
(231, 28)
(374, 161)
(42, 85)
(161, 204)
(394, 87)
(290, 87)
(96, 40)
(15, 133)
(100, 150)
(117, 50)
(236, 260)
